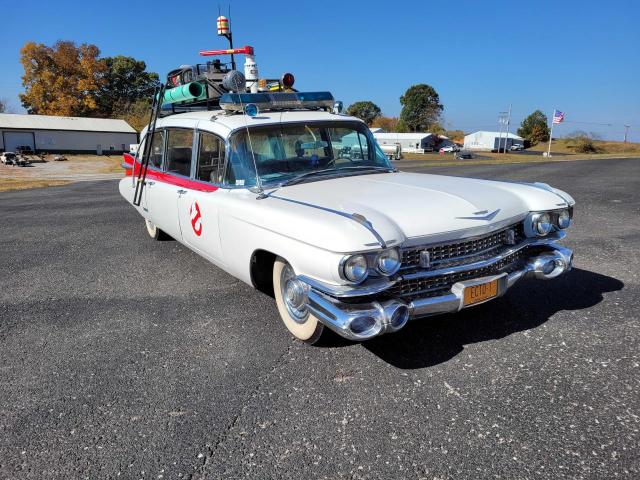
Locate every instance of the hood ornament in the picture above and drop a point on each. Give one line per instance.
(482, 215)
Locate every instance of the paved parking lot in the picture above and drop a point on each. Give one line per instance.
(123, 357)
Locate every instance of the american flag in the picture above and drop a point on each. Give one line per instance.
(558, 116)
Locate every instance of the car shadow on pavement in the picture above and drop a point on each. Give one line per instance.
(530, 303)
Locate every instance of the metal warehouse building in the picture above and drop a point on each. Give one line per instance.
(489, 140)
(409, 142)
(44, 133)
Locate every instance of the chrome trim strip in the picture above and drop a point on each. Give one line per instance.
(352, 216)
(460, 236)
(348, 291)
(453, 259)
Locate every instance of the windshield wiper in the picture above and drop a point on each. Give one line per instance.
(302, 176)
(367, 167)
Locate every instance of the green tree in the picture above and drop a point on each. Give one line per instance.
(420, 107)
(455, 135)
(388, 124)
(126, 81)
(435, 128)
(534, 128)
(365, 110)
(3, 105)
(401, 126)
(135, 113)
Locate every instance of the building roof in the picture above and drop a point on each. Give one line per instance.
(406, 136)
(49, 122)
(494, 134)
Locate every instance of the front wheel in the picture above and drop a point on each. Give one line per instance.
(291, 302)
(154, 232)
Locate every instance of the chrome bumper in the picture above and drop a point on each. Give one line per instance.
(391, 315)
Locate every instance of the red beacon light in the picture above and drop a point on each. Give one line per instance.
(287, 80)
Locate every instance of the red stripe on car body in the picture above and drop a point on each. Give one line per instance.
(166, 177)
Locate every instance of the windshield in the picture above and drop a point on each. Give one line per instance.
(313, 150)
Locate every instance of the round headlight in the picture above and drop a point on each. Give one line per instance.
(542, 224)
(388, 261)
(564, 219)
(355, 268)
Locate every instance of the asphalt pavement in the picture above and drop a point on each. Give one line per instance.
(121, 357)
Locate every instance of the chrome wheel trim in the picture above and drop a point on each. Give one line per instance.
(151, 228)
(293, 295)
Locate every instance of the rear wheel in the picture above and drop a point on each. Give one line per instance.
(291, 302)
(154, 232)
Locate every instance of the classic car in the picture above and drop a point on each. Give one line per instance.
(302, 204)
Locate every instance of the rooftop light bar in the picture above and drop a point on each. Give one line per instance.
(234, 102)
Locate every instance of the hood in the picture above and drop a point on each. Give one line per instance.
(406, 207)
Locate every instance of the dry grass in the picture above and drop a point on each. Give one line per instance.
(561, 152)
(568, 145)
(50, 173)
(7, 184)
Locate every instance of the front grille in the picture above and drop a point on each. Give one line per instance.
(440, 285)
(478, 248)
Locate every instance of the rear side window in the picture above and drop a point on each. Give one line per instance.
(210, 158)
(179, 148)
(157, 149)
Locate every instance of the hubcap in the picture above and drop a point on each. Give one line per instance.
(293, 295)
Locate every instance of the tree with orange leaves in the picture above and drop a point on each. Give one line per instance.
(61, 80)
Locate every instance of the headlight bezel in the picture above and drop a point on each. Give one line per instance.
(398, 262)
(344, 266)
(569, 218)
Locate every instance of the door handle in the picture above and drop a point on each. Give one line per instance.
(181, 192)
(150, 182)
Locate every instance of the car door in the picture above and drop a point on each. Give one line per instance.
(198, 205)
(171, 184)
(159, 198)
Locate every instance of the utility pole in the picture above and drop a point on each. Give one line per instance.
(626, 131)
(506, 140)
(501, 119)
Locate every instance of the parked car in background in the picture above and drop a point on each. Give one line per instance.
(8, 158)
(463, 155)
(449, 149)
(516, 147)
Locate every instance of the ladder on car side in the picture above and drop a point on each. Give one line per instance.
(141, 176)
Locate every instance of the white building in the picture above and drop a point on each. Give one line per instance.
(409, 142)
(44, 133)
(489, 140)
(376, 130)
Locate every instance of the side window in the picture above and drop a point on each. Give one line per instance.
(157, 149)
(210, 158)
(179, 147)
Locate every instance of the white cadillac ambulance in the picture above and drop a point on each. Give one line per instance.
(284, 192)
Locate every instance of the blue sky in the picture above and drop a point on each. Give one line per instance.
(581, 57)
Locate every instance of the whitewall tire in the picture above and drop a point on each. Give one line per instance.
(153, 231)
(291, 305)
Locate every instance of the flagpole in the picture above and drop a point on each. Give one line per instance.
(551, 134)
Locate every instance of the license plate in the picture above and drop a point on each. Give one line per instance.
(479, 293)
